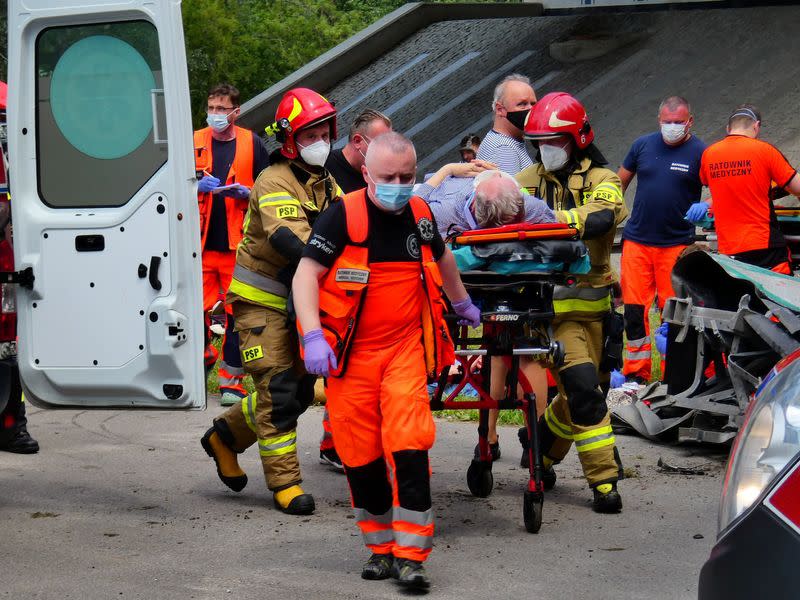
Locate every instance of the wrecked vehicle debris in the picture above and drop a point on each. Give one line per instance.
(730, 323)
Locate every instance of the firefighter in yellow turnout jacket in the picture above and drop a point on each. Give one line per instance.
(284, 203)
(571, 179)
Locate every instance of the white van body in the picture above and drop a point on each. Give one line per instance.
(104, 204)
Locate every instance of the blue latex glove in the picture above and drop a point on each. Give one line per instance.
(207, 183)
(318, 355)
(697, 212)
(469, 313)
(617, 379)
(661, 338)
(240, 192)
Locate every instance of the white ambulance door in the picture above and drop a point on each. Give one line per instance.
(104, 204)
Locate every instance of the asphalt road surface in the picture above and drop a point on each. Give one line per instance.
(125, 504)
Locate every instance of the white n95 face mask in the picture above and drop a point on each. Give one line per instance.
(315, 154)
(553, 157)
(672, 133)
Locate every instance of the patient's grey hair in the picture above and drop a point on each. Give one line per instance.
(498, 201)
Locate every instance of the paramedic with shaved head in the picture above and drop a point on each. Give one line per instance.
(368, 298)
(504, 145)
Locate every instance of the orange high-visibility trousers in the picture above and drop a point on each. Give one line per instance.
(646, 270)
(382, 425)
(217, 275)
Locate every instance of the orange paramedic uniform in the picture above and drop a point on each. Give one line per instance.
(382, 270)
(739, 172)
(239, 160)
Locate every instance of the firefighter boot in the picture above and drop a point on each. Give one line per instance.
(606, 498)
(549, 473)
(410, 574)
(379, 566)
(228, 469)
(293, 501)
(21, 443)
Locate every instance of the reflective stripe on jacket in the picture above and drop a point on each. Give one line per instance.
(592, 201)
(241, 171)
(284, 204)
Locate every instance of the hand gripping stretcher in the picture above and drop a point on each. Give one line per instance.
(516, 314)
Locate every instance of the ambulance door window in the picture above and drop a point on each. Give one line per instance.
(101, 131)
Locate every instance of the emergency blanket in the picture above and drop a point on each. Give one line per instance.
(531, 256)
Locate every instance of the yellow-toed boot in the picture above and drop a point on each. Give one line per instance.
(293, 501)
(228, 467)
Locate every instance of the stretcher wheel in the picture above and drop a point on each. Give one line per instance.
(532, 505)
(480, 479)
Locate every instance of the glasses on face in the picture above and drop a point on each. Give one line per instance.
(220, 109)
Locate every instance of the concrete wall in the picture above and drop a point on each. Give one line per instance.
(437, 82)
(379, 38)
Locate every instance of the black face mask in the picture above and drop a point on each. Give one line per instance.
(518, 117)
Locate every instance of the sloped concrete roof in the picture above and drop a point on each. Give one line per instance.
(437, 84)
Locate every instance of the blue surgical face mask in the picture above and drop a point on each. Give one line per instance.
(393, 196)
(217, 122)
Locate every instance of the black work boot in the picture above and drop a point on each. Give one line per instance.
(493, 448)
(410, 574)
(525, 459)
(549, 478)
(548, 474)
(379, 566)
(21, 443)
(331, 458)
(606, 498)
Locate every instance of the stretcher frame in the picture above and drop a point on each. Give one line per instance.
(519, 311)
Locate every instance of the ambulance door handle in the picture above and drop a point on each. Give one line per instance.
(154, 94)
(155, 262)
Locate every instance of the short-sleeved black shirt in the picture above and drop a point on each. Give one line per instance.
(223, 154)
(392, 238)
(348, 178)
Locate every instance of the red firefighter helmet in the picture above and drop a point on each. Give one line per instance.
(300, 108)
(557, 114)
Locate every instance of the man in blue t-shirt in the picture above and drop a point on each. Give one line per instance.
(667, 164)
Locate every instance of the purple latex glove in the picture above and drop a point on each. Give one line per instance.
(207, 183)
(471, 314)
(617, 379)
(240, 192)
(319, 357)
(661, 338)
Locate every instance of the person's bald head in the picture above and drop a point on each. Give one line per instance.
(391, 158)
(498, 200)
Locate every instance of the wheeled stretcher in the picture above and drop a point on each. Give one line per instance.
(516, 314)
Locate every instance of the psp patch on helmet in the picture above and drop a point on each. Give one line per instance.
(426, 231)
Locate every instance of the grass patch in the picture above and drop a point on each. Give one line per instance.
(507, 417)
(212, 383)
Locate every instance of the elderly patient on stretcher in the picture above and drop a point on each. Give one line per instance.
(494, 200)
